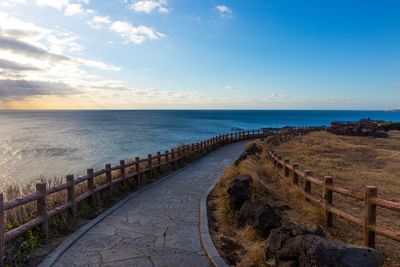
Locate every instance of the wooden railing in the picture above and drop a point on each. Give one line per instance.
(125, 171)
(292, 174)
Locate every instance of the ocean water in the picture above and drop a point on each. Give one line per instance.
(35, 144)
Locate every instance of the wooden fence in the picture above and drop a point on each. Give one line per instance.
(292, 174)
(126, 171)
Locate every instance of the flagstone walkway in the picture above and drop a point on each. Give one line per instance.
(158, 226)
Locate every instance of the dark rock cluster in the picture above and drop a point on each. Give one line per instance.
(239, 192)
(288, 245)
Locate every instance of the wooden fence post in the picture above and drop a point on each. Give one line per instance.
(328, 200)
(166, 158)
(370, 216)
(159, 160)
(71, 194)
(286, 162)
(307, 183)
(150, 165)
(2, 241)
(295, 176)
(109, 177)
(137, 170)
(173, 157)
(92, 198)
(279, 163)
(123, 172)
(41, 205)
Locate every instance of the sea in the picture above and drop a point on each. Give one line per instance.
(53, 144)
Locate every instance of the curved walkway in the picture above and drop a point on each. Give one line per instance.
(158, 226)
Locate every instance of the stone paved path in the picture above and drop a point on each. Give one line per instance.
(157, 227)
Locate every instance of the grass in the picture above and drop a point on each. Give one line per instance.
(354, 162)
(266, 188)
(250, 246)
(344, 158)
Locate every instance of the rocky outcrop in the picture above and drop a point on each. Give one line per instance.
(239, 192)
(248, 212)
(290, 245)
(265, 220)
(287, 244)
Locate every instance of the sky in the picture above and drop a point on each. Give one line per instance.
(199, 54)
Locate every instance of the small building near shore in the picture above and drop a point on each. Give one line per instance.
(363, 127)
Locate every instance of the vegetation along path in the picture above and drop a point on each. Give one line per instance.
(158, 226)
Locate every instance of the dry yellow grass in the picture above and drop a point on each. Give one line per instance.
(253, 247)
(354, 162)
(325, 154)
(266, 188)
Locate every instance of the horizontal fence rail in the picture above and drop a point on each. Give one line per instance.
(124, 172)
(370, 199)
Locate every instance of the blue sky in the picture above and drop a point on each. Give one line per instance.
(199, 54)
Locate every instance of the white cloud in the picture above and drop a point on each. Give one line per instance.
(66, 6)
(39, 68)
(98, 22)
(148, 6)
(73, 9)
(135, 35)
(33, 62)
(11, 2)
(224, 11)
(62, 42)
(97, 64)
(56, 4)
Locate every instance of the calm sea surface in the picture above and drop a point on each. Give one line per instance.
(36, 144)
